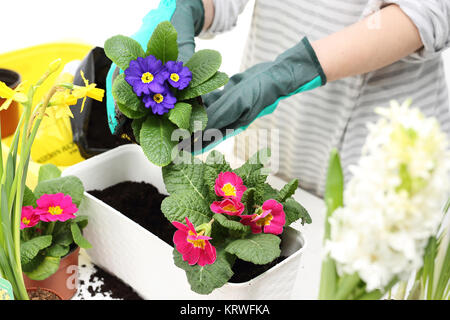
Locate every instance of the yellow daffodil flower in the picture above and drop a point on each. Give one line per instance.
(60, 105)
(89, 90)
(11, 95)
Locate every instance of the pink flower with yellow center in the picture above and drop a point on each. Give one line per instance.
(56, 207)
(29, 218)
(228, 185)
(194, 247)
(270, 218)
(229, 206)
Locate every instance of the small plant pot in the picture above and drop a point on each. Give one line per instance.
(143, 260)
(53, 295)
(10, 117)
(64, 282)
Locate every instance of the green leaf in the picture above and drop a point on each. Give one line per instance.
(295, 211)
(121, 50)
(204, 280)
(123, 94)
(156, 140)
(186, 204)
(131, 114)
(257, 178)
(163, 43)
(82, 221)
(230, 224)
(181, 115)
(217, 161)
(58, 251)
(30, 248)
(48, 172)
(185, 177)
(253, 164)
(70, 185)
(29, 199)
(136, 126)
(78, 237)
(265, 192)
(199, 118)
(334, 189)
(203, 65)
(257, 248)
(287, 191)
(217, 81)
(63, 238)
(33, 264)
(48, 267)
(248, 199)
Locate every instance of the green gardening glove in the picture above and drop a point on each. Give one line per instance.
(257, 91)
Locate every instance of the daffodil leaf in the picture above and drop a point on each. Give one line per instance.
(78, 237)
(218, 80)
(180, 115)
(186, 204)
(199, 118)
(121, 50)
(45, 269)
(163, 43)
(287, 191)
(30, 248)
(48, 172)
(203, 64)
(334, 189)
(70, 185)
(123, 94)
(156, 140)
(256, 248)
(204, 280)
(295, 211)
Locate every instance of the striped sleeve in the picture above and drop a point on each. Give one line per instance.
(432, 19)
(226, 15)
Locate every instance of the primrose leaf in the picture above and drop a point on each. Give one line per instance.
(287, 191)
(123, 94)
(217, 161)
(203, 65)
(30, 249)
(156, 140)
(58, 251)
(131, 114)
(82, 221)
(265, 192)
(255, 163)
(230, 224)
(70, 185)
(121, 50)
(181, 115)
(78, 237)
(295, 211)
(199, 118)
(48, 172)
(257, 248)
(29, 199)
(186, 204)
(163, 43)
(217, 81)
(204, 280)
(248, 199)
(45, 269)
(136, 126)
(184, 177)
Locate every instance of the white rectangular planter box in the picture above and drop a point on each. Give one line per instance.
(144, 261)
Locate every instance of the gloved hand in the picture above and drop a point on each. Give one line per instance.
(187, 16)
(257, 91)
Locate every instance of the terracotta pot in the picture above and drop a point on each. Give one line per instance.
(9, 118)
(44, 289)
(64, 282)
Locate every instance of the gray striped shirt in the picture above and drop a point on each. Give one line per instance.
(311, 124)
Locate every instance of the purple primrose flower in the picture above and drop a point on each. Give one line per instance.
(146, 76)
(160, 103)
(179, 76)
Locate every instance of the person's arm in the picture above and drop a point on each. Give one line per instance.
(221, 15)
(364, 47)
(208, 5)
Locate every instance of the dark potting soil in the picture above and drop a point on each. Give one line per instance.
(141, 202)
(98, 133)
(41, 294)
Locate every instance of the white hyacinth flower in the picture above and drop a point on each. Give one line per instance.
(393, 203)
